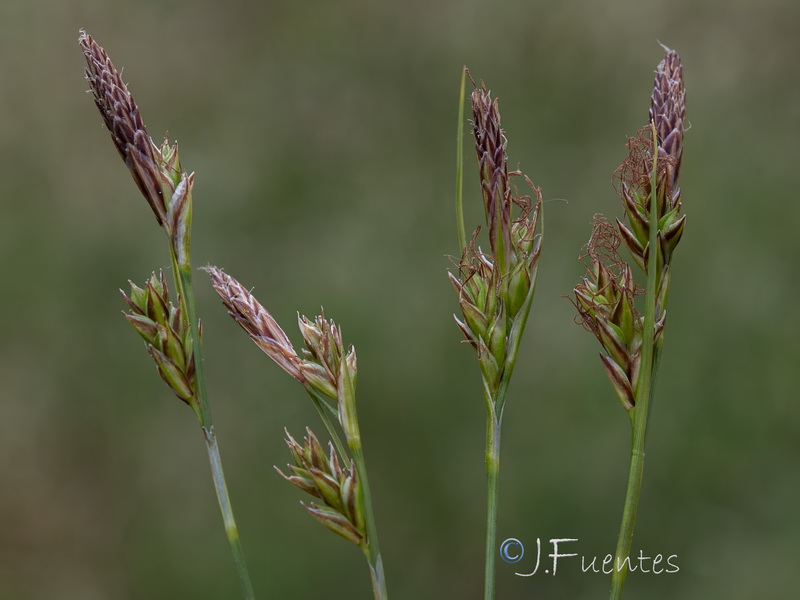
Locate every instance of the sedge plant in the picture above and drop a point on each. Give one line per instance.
(171, 331)
(495, 294)
(632, 340)
(327, 369)
(495, 289)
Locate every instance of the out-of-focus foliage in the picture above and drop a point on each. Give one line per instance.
(322, 135)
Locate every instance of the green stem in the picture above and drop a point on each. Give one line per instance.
(376, 576)
(462, 237)
(493, 422)
(374, 554)
(186, 291)
(628, 519)
(643, 394)
(231, 531)
(183, 280)
(348, 419)
(494, 419)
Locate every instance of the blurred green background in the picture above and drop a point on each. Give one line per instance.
(323, 138)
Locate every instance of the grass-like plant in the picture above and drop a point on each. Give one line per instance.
(606, 298)
(327, 370)
(171, 332)
(496, 289)
(495, 293)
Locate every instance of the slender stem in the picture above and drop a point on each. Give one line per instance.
(231, 531)
(462, 237)
(378, 581)
(625, 540)
(493, 421)
(643, 394)
(186, 291)
(374, 556)
(203, 411)
(348, 419)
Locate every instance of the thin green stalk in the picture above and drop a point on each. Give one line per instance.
(462, 236)
(494, 419)
(378, 581)
(493, 422)
(186, 290)
(374, 554)
(349, 420)
(231, 531)
(643, 394)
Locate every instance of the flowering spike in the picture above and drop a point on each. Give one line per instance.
(256, 321)
(668, 110)
(323, 478)
(123, 120)
(490, 144)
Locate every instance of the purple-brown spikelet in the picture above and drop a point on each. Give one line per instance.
(324, 361)
(605, 303)
(124, 121)
(633, 179)
(668, 109)
(257, 322)
(490, 145)
(605, 298)
(495, 290)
